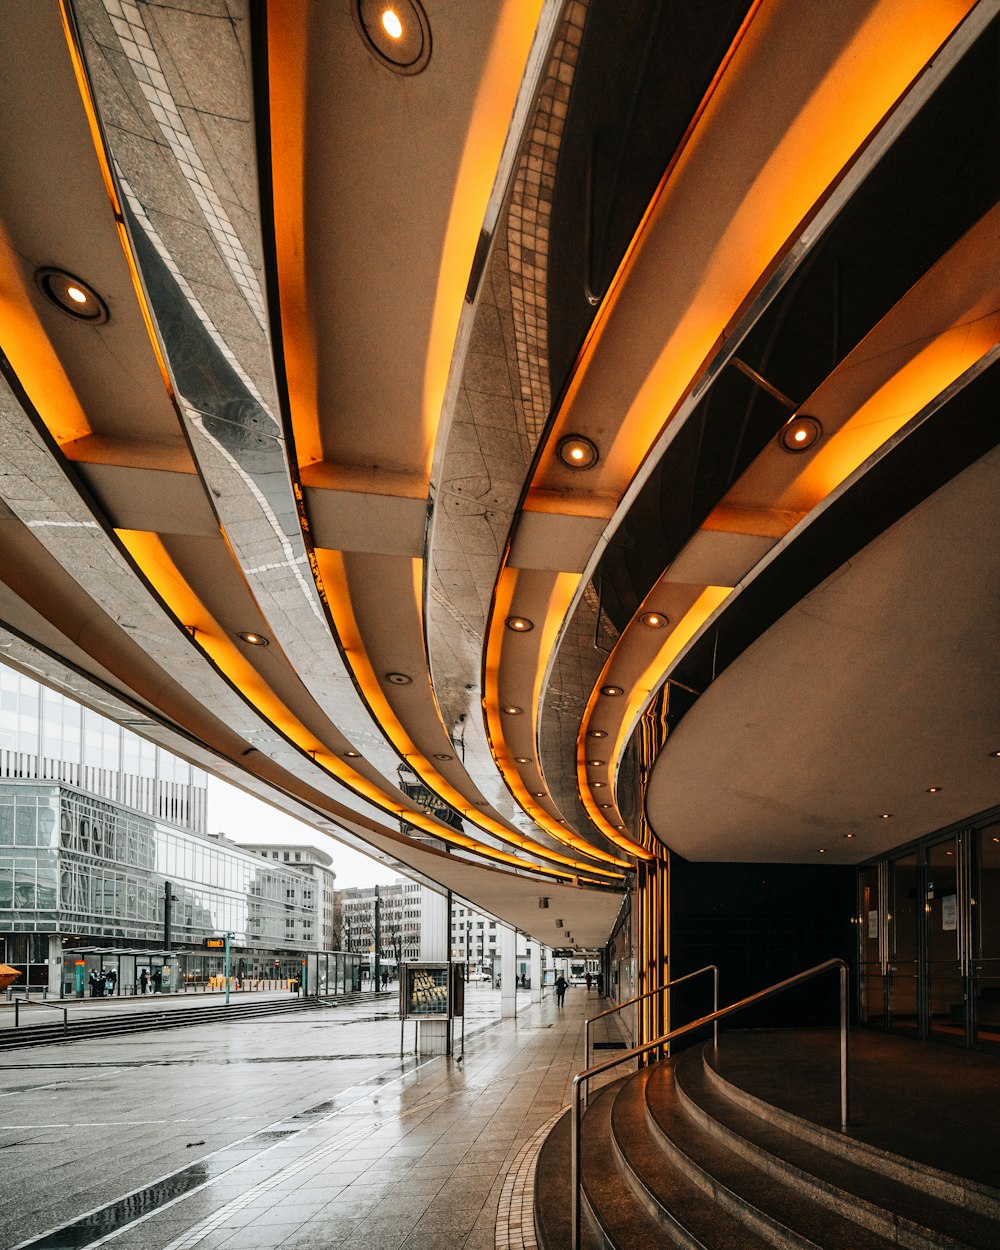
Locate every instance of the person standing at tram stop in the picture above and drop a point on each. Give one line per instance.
(560, 990)
(143, 981)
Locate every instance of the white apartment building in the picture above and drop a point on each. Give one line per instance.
(319, 893)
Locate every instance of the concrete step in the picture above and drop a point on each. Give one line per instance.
(678, 1155)
(127, 1021)
(884, 1192)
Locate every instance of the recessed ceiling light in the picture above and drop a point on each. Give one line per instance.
(255, 640)
(397, 34)
(933, 789)
(821, 850)
(522, 759)
(352, 755)
(848, 835)
(619, 826)
(612, 691)
(606, 805)
(72, 295)
(512, 710)
(800, 433)
(995, 755)
(520, 624)
(538, 794)
(654, 620)
(442, 756)
(597, 733)
(398, 679)
(597, 785)
(886, 816)
(596, 763)
(577, 452)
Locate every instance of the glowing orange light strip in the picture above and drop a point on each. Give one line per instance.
(150, 555)
(637, 698)
(563, 589)
(333, 571)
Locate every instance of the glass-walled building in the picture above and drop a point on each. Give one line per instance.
(103, 848)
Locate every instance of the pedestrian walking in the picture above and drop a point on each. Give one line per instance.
(588, 979)
(560, 989)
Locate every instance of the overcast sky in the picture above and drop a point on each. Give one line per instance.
(243, 818)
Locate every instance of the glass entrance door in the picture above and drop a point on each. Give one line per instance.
(904, 942)
(945, 994)
(986, 941)
(870, 919)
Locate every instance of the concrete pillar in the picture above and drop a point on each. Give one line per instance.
(535, 973)
(55, 963)
(435, 947)
(508, 971)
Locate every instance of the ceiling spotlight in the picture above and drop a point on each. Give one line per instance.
(398, 679)
(933, 789)
(577, 452)
(522, 759)
(512, 710)
(848, 835)
(800, 433)
(821, 850)
(520, 624)
(72, 295)
(597, 785)
(538, 794)
(443, 757)
(397, 34)
(886, 816)
(597, 733)
(654, 620)
(352, 755)
(606, 805)
(612, 692)
(255, 640)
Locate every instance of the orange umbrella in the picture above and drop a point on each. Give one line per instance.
(8, 975)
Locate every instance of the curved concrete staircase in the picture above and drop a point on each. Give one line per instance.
(683, 1154)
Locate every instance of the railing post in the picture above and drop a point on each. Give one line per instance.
(65, 1020)
(715, 1005)
(575, 1167)
(17, 1013)
(843, 1046)
(586, 1048)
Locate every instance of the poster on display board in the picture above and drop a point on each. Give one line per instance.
(431, 991)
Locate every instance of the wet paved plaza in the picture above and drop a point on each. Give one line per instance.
(301, 1130)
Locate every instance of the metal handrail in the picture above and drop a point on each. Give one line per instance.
(30, 1002)
(668, 986)
(582, 1078)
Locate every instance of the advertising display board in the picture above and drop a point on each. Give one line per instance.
(432, 991)
(424, 992)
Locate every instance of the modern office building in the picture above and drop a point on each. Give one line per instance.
(323, 930)
(585, 408)
(104, 855)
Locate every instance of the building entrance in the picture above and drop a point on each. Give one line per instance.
(929, 938)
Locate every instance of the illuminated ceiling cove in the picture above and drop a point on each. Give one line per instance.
(519, 439)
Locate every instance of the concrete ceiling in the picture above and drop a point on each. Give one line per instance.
(323, 409)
